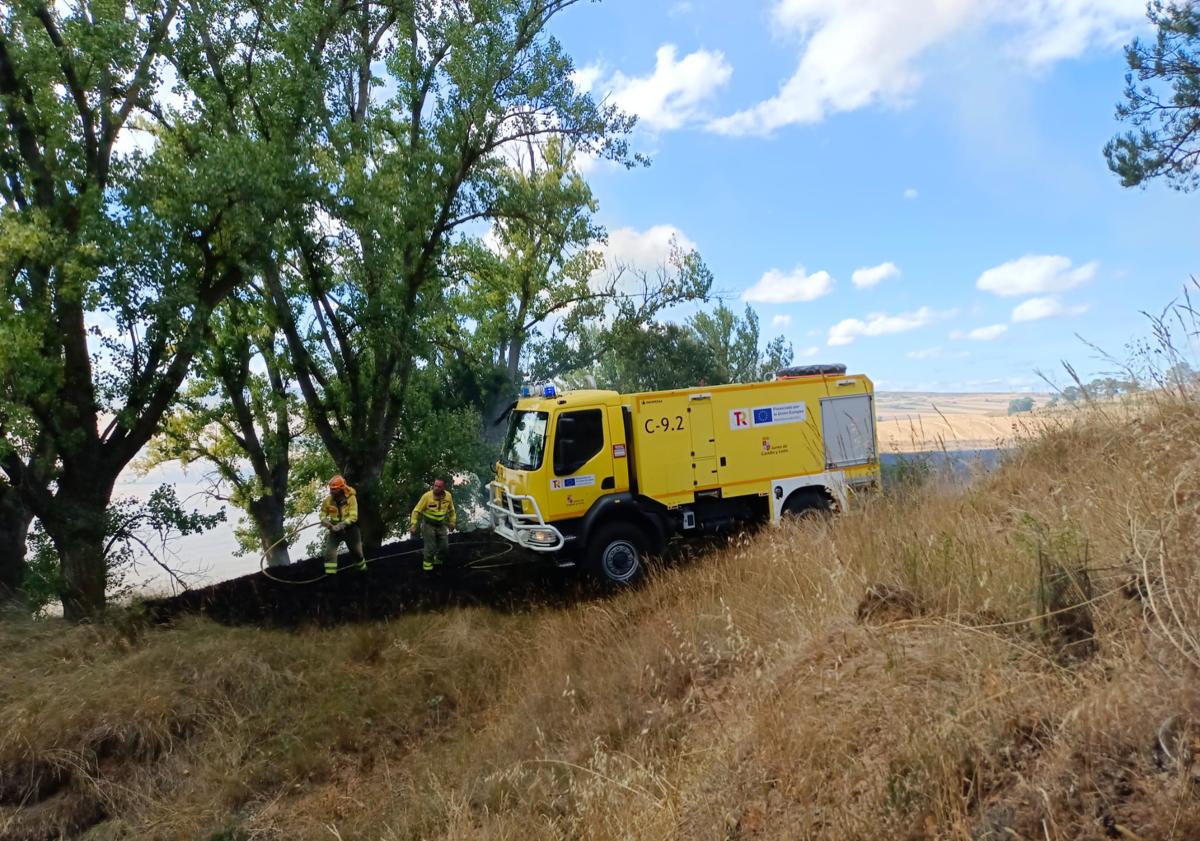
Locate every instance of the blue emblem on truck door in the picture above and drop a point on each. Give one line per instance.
(762, 416)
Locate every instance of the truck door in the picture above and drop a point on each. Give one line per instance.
(582, 462)
(848, 426)
(704, 453)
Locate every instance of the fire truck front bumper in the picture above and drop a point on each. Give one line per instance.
(518, 518)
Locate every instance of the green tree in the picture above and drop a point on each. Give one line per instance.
(1162, 102)
(732, 344)
(1019, 405)
(114, 258)
(240, 413)
(710, 348)
(630, 298)
(409, 157)
(540, 294)
(135, 532)
(654, 357)
(537, 263)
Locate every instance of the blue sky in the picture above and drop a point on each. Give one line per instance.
(797, 142)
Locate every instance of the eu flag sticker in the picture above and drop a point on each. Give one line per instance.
(762, 416)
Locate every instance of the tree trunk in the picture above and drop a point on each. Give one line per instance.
(501, 396)
(14, 528)
(370, 514)
(85, 573)
(364, 478)
(269, 520)
(77, 527)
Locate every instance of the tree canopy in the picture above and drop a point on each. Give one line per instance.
(1162, 102)
(710, 348)
(241, 217)
(113, 257)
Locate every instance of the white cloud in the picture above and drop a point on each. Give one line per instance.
(879, 324)
(585, 78)
(857, 53)
(1053, 30)
(809, 352)
(989, 333)
(868, 277)
(672, 96)
(491, 240)
(911, 193)
(646, 249)
(1035, 275)
(630, 255)
(775, 287)
(925, 353)
(781, 321)
(1038, 308)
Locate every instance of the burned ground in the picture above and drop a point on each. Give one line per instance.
(480, 570)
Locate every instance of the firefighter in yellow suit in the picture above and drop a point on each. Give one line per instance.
(435, 517)
(339, 515)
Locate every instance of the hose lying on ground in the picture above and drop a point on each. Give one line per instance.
(294, 533)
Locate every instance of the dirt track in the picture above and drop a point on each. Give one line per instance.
(481, 569)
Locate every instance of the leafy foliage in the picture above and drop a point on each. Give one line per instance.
(1018, 405)
(135, 532)
(1162, 102)
(1100, 387)
(709, 348)
(421, 111)
(240, 413)
(130, 210)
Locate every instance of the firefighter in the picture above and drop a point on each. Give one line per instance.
(339, 514)
(435, 518)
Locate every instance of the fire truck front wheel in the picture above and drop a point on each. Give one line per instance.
(617, 554)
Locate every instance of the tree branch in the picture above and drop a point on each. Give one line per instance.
(86, 116)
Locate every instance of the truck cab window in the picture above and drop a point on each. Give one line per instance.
(525, 440)
(578, 438)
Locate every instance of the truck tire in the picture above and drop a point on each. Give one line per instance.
(617, 554)
(804, 504)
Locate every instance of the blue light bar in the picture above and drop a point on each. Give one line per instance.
(525, 392)
(548, 391)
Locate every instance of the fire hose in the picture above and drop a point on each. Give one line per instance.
(477, 564)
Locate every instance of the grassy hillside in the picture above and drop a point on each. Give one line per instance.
(753, 693)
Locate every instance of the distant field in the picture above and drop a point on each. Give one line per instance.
(915, 421)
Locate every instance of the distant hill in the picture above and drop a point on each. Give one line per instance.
(912, 421)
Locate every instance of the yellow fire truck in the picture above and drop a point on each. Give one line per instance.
(609, 478)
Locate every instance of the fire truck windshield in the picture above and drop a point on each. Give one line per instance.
(525, 441)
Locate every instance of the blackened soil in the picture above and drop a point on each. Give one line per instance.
(480, 570)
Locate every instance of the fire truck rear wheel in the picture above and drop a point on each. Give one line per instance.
(806, 503)
(617, 554)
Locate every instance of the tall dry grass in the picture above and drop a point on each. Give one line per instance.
(734, 696)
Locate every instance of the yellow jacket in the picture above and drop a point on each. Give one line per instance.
(346, 513)
(436, 511)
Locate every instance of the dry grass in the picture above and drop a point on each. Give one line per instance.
(733, 697)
